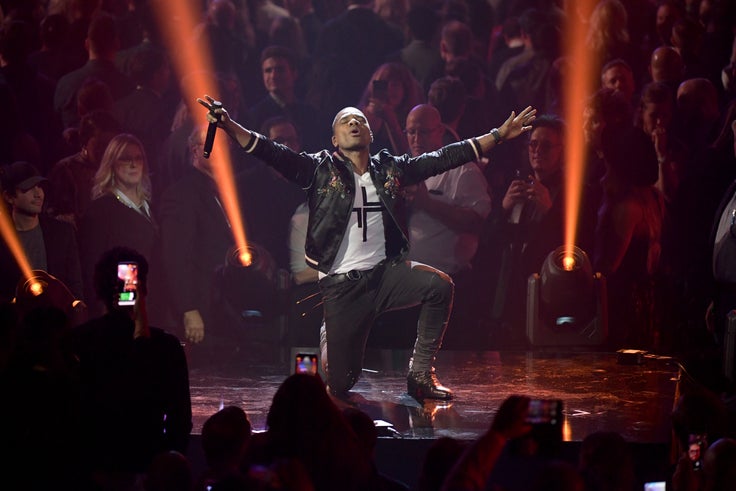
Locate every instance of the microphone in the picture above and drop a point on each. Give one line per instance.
(211, 130)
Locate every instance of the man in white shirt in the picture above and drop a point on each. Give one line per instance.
(445, 218)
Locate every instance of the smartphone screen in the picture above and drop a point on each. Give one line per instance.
(544, 411)
(655, 486)
(305, 363)
(545, 418)
(128, 280)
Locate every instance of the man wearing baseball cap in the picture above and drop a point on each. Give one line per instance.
(49, 244)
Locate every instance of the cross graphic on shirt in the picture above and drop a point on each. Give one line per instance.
(362, 212)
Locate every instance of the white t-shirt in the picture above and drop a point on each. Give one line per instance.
(364, 244)
(723, 233)
(434, 243)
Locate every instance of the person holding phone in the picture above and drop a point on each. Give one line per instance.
(357, 239)
(134, 378)
(391, 94)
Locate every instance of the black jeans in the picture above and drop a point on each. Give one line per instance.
(353, 300)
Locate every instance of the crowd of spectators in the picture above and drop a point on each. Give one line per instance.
(99, 152)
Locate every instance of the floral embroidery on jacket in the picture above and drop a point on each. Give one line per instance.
(392, 184)
(334, 185)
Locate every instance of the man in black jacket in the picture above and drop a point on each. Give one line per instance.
(357, 236)
(48, 244)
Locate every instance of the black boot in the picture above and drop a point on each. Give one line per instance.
(425, 385)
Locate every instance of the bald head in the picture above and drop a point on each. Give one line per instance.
(424, 114)
(720, 465)
(424, 129)
(698, 97)
(665, 65)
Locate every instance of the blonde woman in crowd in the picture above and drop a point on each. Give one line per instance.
(120, 212)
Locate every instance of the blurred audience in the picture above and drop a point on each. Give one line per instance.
(309, 22)
(70, 179)
(102, 43)
(628, 238)
(41, 420)
(148, 112)
(302, 411)
(420, 54)
(280, 73)
(365, 429)
(35, 92)
(720, 465)
(654, 117)
(665, 65)
(350, 47)
(617, 75)
(52, 60)
(225, 437)
(473, 469)
(439, 461)
(606, 462)
(169, 471)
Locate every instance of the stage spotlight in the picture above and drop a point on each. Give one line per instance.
(566, 301)
(251, 256)
(42, 290)
(248, 282)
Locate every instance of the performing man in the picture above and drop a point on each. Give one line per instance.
(357, 236)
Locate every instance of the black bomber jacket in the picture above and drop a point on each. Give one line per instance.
(328, 181)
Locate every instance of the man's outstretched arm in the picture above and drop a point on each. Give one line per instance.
(514, 126)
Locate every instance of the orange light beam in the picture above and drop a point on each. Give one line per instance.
(178, 20)
(7, 228)
(580, 80)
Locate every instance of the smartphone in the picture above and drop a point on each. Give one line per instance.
(380, 90)
(697, 444)
(128, 281)
(545, 418)
(655, 486)
(306, 363)
(518, 176)
(545, 412)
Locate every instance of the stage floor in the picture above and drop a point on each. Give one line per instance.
(598, 393)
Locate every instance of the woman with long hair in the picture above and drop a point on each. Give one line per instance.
(387, 99)
(608, 37)
(654, 117)
(628, 237)
(120, 212)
